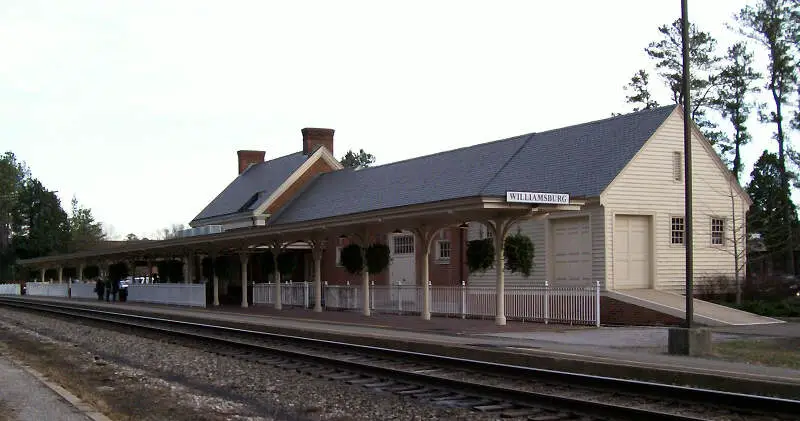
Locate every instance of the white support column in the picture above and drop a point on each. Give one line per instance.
(81, 267)
(316, 253)
(186, 270)
(365, 274)
(211, 259)
(276, 250)
(61, 274)
(500, 288)
(102, 267)
(244, 258)
(499, 228)
(425, 235)
(42, 270)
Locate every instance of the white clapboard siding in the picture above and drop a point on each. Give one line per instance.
(536, 230)
(647, 187)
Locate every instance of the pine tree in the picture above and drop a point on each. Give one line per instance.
(770, 23)
(737, 84)
(640, 91)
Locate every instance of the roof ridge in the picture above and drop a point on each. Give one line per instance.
(529, 135)
(602, 120)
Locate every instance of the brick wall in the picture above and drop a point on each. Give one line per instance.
(336, 275)
(446, 273)
(618, 312)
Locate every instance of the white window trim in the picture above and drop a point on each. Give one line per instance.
(711, 231)
(671, 217)
(443, 260)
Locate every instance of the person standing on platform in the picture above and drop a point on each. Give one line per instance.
(98, 289)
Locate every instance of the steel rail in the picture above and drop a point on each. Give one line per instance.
(642, 388)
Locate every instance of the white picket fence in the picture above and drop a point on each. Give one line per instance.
(544, 303)
(10, 289)
(81, 290)
(193, 295)
(46, 289)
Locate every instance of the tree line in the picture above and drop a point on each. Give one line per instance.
(32, 221)
(726, 87)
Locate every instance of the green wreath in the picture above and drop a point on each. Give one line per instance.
(378, 258)
(480, 255)
(351, 258)
(519, 252)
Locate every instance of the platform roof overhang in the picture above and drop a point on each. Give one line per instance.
(433, 214)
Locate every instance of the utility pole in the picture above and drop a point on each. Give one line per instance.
(687, 167)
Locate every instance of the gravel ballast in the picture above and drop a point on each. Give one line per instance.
(191, 384)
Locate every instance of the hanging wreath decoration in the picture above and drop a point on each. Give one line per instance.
(480, 255)
(519, 253)
(378, 257)
(351, 258)
(287, 263)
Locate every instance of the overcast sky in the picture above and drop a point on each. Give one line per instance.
(138, 107)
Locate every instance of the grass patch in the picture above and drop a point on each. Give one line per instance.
(782, 352)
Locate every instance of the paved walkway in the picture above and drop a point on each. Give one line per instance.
(623, 346)
(24, 398)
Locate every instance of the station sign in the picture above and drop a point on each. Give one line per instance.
(531, 197)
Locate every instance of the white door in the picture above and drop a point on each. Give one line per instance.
(402, 268)
(632, 247)
(571, 251)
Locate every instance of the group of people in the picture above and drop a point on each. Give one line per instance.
(108, 289)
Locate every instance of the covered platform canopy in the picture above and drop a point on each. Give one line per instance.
(425, 220)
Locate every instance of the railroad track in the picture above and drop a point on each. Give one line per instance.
(510, 392)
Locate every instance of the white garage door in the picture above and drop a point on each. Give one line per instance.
(632, 252)
(572, 251)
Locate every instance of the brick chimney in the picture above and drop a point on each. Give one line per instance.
(313, 137)
(249, 157)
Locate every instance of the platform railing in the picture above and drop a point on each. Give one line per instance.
(83, 290)
(46, 289)
(542, 303)
(193, 295)
(10, 289)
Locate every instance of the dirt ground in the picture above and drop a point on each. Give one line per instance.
(6, 413)
(121, 393)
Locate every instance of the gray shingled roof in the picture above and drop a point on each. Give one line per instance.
(580, 160)
(264, 178)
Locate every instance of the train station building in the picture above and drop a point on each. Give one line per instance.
(601, 201)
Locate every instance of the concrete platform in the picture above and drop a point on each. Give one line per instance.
(638, 353)
(26, 396)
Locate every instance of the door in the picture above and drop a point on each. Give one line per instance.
(402, 268)
(632, 250)
(571, 251)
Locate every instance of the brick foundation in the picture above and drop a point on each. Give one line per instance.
(616, 312)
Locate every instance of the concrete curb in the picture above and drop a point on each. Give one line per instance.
(73, 400)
